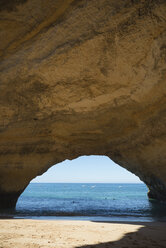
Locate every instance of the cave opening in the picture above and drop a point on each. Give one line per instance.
(89, 186)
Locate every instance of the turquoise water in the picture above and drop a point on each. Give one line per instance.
(113, 201)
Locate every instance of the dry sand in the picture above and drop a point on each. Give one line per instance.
(19, 233)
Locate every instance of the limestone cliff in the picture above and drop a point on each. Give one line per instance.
(81, 78)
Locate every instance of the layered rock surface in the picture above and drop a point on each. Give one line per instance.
(81, 78)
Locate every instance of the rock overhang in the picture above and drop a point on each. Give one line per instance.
(82, 78)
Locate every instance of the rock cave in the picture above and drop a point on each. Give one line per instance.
(81, 77)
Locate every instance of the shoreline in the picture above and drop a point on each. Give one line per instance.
(129, 219)
(80, 234)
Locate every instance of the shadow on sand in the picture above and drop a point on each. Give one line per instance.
(151, 235)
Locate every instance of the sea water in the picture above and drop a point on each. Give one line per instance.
(100, 201)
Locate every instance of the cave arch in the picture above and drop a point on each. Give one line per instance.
(75, 181)
(82, 78)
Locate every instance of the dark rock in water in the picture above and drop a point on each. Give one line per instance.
(8, 200)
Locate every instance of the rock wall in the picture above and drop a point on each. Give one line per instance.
(81, 78)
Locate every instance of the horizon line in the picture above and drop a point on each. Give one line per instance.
(91, 182)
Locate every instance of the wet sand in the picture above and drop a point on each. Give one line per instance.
(22, 233)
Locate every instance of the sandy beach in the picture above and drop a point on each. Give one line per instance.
(21, 233)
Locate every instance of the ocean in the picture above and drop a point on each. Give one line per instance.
(89, 201)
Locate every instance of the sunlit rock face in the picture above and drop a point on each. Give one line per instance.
(81, 78)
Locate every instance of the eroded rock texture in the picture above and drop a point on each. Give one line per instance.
(81, 78)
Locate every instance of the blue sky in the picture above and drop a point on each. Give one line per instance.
(86, 169)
